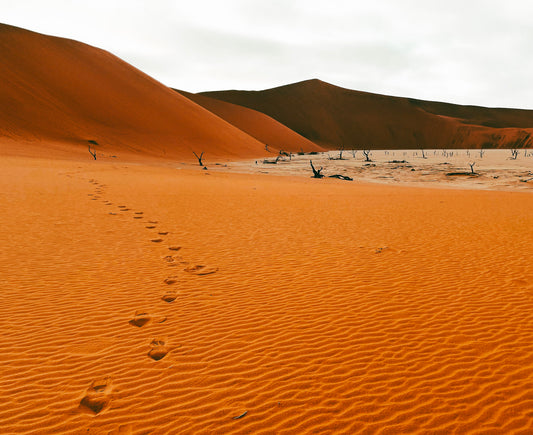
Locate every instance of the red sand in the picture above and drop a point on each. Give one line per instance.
(333, 117)
(256, 124)
(67, 92)
(319, 306)
(141, 298)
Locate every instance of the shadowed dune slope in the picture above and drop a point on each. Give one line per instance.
(256, 124)
(332, 117)
(477, 115)
(56, 89)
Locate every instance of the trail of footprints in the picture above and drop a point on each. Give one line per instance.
(98, 394)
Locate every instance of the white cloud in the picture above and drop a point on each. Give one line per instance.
(470, 52)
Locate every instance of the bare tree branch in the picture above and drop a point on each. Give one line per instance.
(316, 172)
(199, 158)
(272, 162)
(93, 153)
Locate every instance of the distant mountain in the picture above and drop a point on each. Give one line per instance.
(334, 117)
(55, 89)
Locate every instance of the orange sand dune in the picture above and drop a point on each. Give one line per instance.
(67, 92)
(143, 299)
(334, 117)
(256, 124)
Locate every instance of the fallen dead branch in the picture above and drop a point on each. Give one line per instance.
(240, 416)
(341, 177)
(272, 162)
(468, 174)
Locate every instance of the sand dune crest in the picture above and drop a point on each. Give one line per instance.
(73, 95)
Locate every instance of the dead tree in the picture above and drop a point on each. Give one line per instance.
(341, 150)
(341, 177)
(316, 172)
(354, 152)
(481, 152)
(93, 153)
(366, 153)
(472, 173)
(514, 154)
(272, 162)
(423, 155)
(199, 158)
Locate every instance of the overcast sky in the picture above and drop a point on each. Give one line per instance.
(462, 51)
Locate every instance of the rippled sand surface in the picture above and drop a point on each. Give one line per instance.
(145, 299)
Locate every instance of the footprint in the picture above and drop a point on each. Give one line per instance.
(171, 260)
(170, 280)
(140, 319)
(97, 396)
(125, 209)
(201, 270)
(174, 248)
(152, 222)
(162, 233)
(150, 226)
(169, 296)
(121, 206)
(159, 349)
(139, 212)
(156, 240)
(137, 217)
